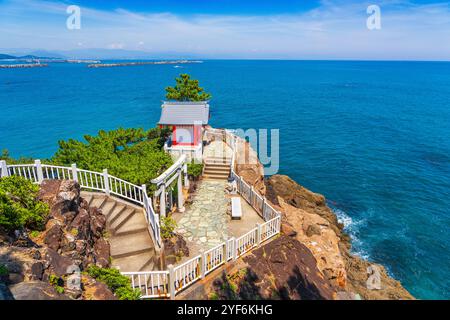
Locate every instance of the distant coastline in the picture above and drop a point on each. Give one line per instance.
(23, 65)
(125, 64)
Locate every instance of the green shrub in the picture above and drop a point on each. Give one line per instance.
(34, 234)
(18, 205)
(168, 225)
(57, 283)
(195, 170)
(119, 284)
(134, 155)
(3, 270)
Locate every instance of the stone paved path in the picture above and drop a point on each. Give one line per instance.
(204, 223)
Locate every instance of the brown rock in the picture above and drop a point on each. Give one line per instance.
(58, 263)
(102, 253)
(35, 290)
(53, 237)
(37, 271)
(301, 198)
(282, 269)
(312, 229)
(95, 290)
(98, 222)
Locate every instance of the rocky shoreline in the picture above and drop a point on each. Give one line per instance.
(306, 218)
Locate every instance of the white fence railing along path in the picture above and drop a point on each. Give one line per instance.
(90, 180)
(168, 283)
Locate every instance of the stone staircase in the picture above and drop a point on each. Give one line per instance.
(132, 248)
(216, 168)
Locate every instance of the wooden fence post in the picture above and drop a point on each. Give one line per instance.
(74, 172)
(171, 281)
(106, 181)
(39, 172)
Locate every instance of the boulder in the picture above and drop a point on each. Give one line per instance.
(102, 253)
(58, 263)
(37, 271)
(282, 269)
(174, 249)
(53, 237)
(95, 290)
(35, 290)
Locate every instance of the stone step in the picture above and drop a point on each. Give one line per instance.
(122, 219)
(149, 265)
(220, 169)
(115, 214)
(217, 162)
(139, 262)
(135, 224)
(217, 171)
(108, 207)
(97, 202)
(217, 165)
(130, 245)
(215, 177)
(87, 197)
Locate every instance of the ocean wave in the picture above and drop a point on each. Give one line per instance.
(352, 227)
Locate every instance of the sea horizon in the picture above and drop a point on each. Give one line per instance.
(372, 136)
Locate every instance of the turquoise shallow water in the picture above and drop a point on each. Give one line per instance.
(373, 137)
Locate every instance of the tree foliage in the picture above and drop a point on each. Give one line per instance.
(186, 89)
(134, 155)
(19, 206)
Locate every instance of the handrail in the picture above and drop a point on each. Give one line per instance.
(168, 283)
(91, 180)
(178, 164)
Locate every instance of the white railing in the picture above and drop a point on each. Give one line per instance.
(153, 284)
(214, 258)
(185, 274)
(168, 283)
(246, 242)
(89, 180)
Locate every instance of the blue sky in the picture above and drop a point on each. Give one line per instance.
(250, 29)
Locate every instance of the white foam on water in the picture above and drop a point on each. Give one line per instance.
(352, 228)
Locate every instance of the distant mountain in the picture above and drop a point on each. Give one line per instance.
(6, 56)
(26, 57)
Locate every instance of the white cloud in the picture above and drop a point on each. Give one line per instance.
(336, 29)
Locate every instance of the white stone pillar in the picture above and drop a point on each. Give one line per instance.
(186, 178)
(39, 172)
(4, 168)
(106, 181)
(162, 201)
(180, 193)
(74, 172)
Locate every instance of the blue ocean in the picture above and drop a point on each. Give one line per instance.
(373, 137)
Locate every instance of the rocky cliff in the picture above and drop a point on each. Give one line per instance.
(41, 265)
(307, 219)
